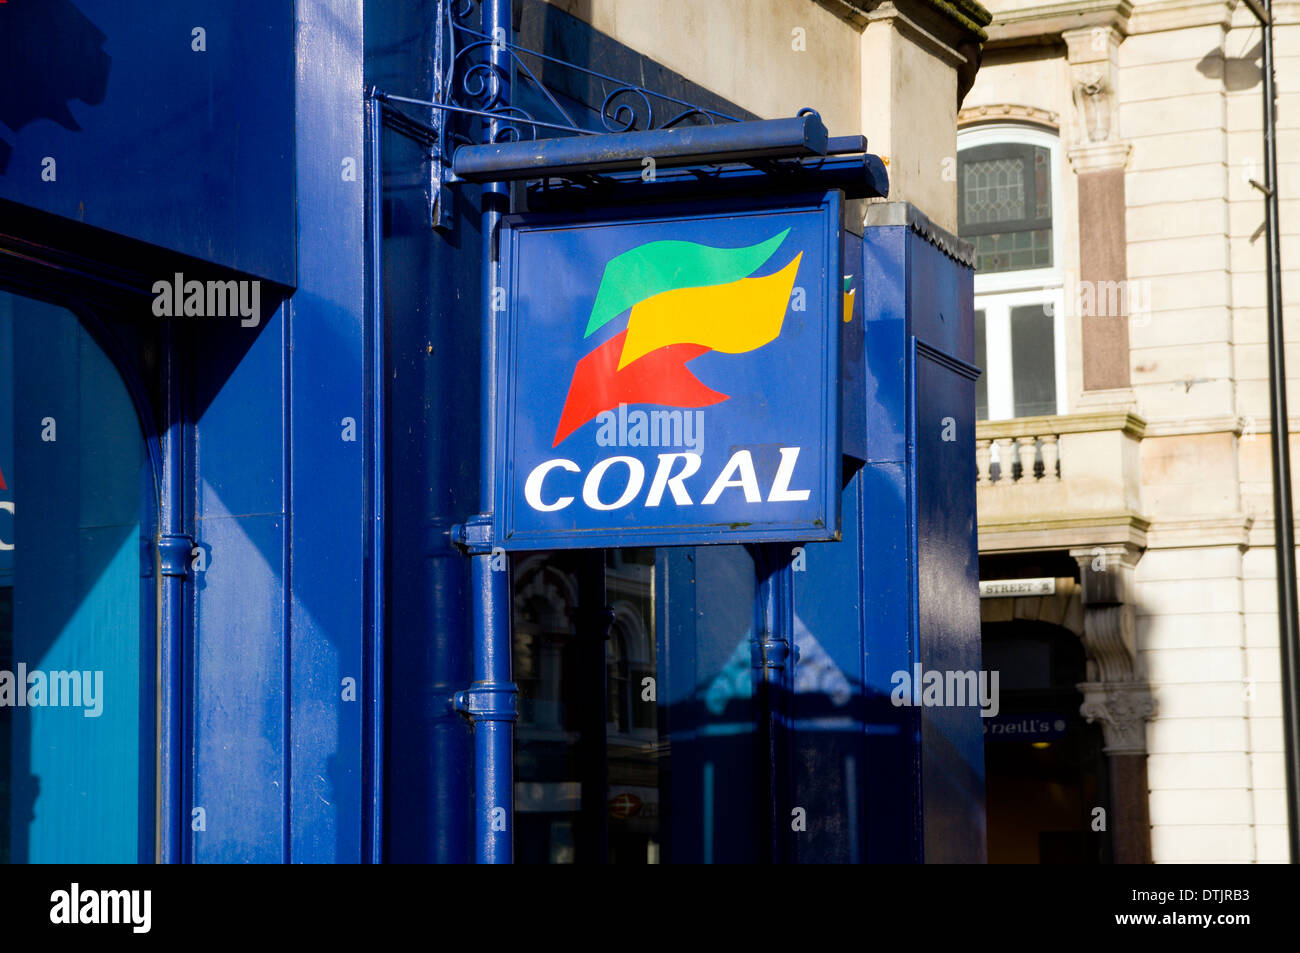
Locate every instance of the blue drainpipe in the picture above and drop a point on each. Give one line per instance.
(373, 745)
(490, 701)
(175, 547)
(773, 652)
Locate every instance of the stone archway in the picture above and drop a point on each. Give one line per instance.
(1099, 610)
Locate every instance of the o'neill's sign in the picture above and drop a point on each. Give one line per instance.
(671, 378)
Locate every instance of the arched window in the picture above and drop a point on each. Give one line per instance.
(1009, 208)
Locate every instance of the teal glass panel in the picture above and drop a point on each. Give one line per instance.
(74, 515)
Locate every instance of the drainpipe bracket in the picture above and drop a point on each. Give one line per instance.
(474, 535)
(174, 553)
(488, 701)
(772, 653)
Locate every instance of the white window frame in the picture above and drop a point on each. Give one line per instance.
(997, 345)
(996, 294)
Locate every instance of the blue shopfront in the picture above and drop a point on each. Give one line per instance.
(394, 466)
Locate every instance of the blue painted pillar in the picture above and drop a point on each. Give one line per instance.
(925, 764)
(325, 356)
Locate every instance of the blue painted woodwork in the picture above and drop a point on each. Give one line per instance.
(924, 765)
(189, 150)
(293, 559)
(280, 427)
(329, 485)
(261, 470)
(431, 293)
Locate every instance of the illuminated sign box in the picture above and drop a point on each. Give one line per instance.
(670, 376)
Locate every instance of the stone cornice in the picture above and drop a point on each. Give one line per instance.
(921, 29)
(1182, 426)
(1046, 23)
(1285, 13)
(1198, 532)
(1071, 532)
(967, 16)
(1179, 14)
(952, 31)
(1092, 422)
(1263, 531)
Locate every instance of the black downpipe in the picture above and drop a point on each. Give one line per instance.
(1283, 519)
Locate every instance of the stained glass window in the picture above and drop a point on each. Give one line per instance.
(1004, 201)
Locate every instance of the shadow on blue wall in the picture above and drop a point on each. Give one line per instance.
(184, 141)
(50, 54)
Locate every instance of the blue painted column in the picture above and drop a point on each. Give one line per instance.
(331, 440)
(920, 575)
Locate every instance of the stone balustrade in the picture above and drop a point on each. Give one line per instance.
(1058, 481)
(1012, 459)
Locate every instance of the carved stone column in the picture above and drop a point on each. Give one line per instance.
(1123, 711)
(1116, 693)
(1098, 155)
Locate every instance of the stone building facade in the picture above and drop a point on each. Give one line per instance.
(1124, 441)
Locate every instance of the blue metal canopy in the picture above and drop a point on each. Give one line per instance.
(796, 137)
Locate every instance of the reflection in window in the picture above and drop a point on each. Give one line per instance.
(619, 756)
(1033, 372)
(75, 499)
(587, 751)
(981, 361)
